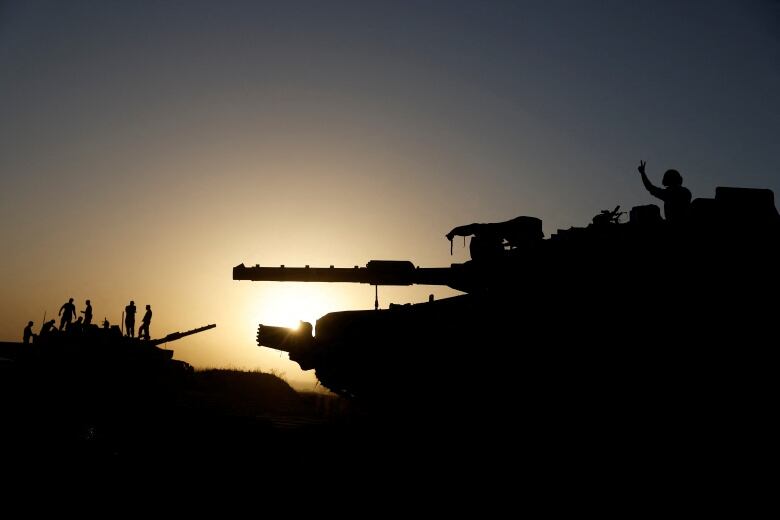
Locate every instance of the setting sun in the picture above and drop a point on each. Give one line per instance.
(287, 305)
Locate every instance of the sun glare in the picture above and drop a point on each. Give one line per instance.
(287, 306)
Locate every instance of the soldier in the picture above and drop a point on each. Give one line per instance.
(143, 330)
(68, 311)
(87, 314)
(676, 197)
(47, 328)
(76, 328)
(130, 319)
(28, 333)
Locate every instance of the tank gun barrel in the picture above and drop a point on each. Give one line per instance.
(376, 272)
(173, 336)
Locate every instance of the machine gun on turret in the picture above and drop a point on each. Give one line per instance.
(607, 217)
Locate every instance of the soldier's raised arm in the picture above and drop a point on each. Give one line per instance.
(654, 190)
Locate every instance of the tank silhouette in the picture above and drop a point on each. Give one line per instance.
(600, 318)
(101, 348)
(93, 394)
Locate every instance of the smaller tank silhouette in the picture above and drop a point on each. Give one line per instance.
(93, 348)
(92, 392)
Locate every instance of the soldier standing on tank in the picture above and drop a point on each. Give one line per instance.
(130, 319)
(143, 330)
(68, 311)
(47, 328)
(77, 326)
(28, 333)
(676, 197)
(87, 314)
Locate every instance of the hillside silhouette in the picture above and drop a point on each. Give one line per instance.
(215, 414)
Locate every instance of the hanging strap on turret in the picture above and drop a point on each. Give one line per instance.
(453, 241)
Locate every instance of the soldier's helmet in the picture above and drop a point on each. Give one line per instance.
(672, 178)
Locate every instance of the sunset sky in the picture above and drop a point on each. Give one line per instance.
(147, 147)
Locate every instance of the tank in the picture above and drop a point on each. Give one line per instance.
(628, 346)
(94, 394)
(94, 348)
(621, 303)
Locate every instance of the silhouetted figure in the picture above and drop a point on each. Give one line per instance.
(130, 319)
(47, 328)
(77, 326)
(106, 324)
(143, 330)
(28, 333)
(87, 314)
(68, 312)
(676, 197)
